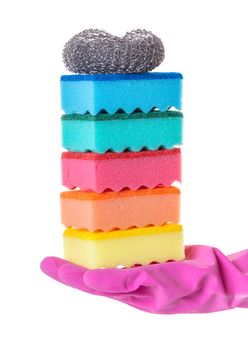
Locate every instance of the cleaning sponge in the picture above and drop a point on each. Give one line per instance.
(111, 92)
(98, 172)
(127, 248)
(125, 209)
(122, 131)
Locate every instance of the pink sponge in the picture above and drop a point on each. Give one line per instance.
(115, 171)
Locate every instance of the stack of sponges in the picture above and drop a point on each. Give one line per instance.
(123, 156)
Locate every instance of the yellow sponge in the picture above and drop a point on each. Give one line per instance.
(127, 248)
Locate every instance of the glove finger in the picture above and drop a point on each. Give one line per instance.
(73, 276)
(132, 280)
(114, 280)
(51, 265)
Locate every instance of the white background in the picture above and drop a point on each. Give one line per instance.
(207, 42)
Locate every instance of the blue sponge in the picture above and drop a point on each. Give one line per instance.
(119, 132)
(111, 92)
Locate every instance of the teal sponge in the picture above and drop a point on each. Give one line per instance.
(119, 132)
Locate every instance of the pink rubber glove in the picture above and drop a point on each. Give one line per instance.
(206, 281)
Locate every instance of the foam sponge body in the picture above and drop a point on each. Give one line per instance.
(81, 133)
(120, 210)
(98, 172)
(127, 248)
(110, 92)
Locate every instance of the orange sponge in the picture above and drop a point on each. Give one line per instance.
(120, 210)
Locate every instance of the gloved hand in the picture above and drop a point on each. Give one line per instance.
(206, 281)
